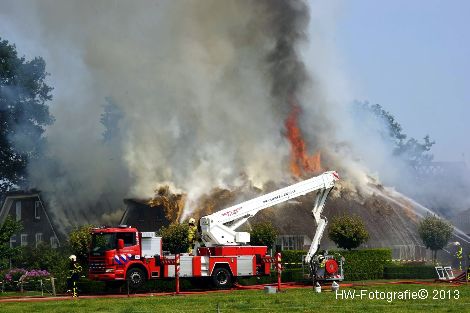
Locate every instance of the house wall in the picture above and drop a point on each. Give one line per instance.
(462, 221)
(34, 223)
(292, 242)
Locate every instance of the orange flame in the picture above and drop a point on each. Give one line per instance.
(301, 163)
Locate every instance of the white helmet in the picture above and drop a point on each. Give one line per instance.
(73, 258)
(192, 221)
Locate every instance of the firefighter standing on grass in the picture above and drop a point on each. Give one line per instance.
(459, 254)
(192, 234)
(74, 270)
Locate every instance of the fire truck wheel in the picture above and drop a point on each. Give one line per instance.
(136, 278)
(222, 278)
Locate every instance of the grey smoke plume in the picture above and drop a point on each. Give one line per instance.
(203, 88)
(287, 23)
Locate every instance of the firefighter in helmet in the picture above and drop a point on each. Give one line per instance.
(318, 267)
(74, 270)
(459, 254)
(192, 234)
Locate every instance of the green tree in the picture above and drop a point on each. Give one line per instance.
(410, 149)
(348, 232)
(80, 241)
(111, 118)
(9, 228)
(41, 257)
(435, 233)
(263, 234)
(175, 237)
(23, 113)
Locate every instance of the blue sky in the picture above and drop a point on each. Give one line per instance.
(413, 58)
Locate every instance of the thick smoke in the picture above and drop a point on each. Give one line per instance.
(202, 89)
(287, 24)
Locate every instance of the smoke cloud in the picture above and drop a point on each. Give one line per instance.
(202, 88)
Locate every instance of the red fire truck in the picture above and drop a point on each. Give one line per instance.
(123, 253)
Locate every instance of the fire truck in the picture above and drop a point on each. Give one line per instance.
(124, 254)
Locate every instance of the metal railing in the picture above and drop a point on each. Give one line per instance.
(43, 285)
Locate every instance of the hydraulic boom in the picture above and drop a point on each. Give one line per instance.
(218, 229)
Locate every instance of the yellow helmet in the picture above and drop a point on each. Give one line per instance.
(192, 221)
(73, 258)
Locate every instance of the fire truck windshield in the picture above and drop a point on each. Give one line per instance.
(102, 242)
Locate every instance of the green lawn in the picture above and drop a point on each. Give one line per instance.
(292, 300)
(24, 294)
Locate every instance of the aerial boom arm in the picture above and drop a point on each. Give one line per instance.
(219, 227)
(321, 222)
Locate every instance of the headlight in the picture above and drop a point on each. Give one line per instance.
(109, 270)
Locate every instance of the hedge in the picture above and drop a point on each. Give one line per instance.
(292, 258)
(365, 264)
(398, 271)
(359, 264)
(86, 286)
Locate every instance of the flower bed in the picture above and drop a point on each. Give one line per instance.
(20, 278)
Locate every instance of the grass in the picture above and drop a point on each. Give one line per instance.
(21, 294)
(292, 300)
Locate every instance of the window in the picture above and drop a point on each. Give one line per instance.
(38, 238)
(18, 210)
(24, 240)
(129, 238)
(290, 242)
(54, 242)
(101, 242)
(37, 210)
(12, 241)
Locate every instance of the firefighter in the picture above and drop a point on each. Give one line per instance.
(459, 254)
(192, 234)
(318, 268)
(74, 270)
(468, 266)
